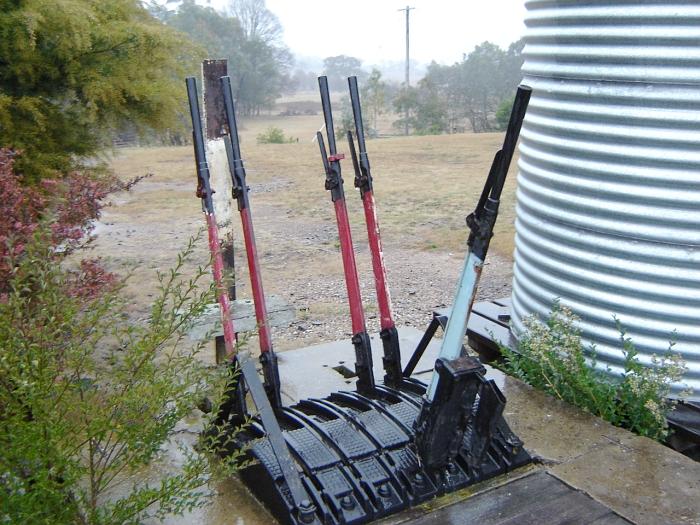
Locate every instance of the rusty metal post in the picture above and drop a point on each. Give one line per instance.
(214, 120)
(214, 111)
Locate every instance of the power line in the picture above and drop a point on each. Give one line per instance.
(408, 9)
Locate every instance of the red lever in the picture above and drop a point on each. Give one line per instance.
(337, 156)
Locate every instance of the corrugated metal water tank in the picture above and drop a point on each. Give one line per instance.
(608, 204)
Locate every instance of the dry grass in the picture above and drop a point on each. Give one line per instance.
(424, 186)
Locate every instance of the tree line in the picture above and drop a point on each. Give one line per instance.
(249, 36)
(474, 94)
(77, 72)
(467, 94)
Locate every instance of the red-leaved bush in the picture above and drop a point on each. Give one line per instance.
(20, 208)
(68, 206)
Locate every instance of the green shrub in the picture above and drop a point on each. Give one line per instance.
(551, 357)
(273, 135)
(88, 398)
(75, 71)
(503, 114)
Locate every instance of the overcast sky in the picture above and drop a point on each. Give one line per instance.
(374, 30)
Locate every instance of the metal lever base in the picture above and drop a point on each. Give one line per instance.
(301, 509)
(465, 404)
(392, 357)
(356, 457)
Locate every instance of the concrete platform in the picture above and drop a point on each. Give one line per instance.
(593, 472)
(634, 477)
(280, 313)
(640, 479)
(332, 365)
(532, 499)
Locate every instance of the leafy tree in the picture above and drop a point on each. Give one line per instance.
(346, 122)
(370, 95)
(487, 76)
(259, 64)
(405, 103)
(267, 60)
(304, 80)
(513, 63)
(426, 109)
(503, 113)
(261, 76)
(338, 68)
(431, 113)
(482, 84)
(472, 89)
(74, 71)
(257, 21)
(374, 96)
(221, 36)
(444, 81)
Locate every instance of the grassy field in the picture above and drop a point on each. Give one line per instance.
(424, 187)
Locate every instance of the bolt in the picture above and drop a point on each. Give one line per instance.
(347, 503)
(307, 511)
(383, 490)
(420, 480)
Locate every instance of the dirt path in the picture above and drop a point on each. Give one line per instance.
(301, 261)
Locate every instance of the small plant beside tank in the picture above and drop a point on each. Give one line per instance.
(551, 357)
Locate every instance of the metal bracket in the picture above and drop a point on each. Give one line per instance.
(305, 509)
(442, 423)
(392, 357)
(363, 363)
(438, 321)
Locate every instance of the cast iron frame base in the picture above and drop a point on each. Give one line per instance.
(358, 460)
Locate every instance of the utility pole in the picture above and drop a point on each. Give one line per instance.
(408, 78)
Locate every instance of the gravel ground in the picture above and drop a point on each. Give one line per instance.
(299, 256)
(419, 283)
(303, 265)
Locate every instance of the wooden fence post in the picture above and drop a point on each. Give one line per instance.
(214, 125)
